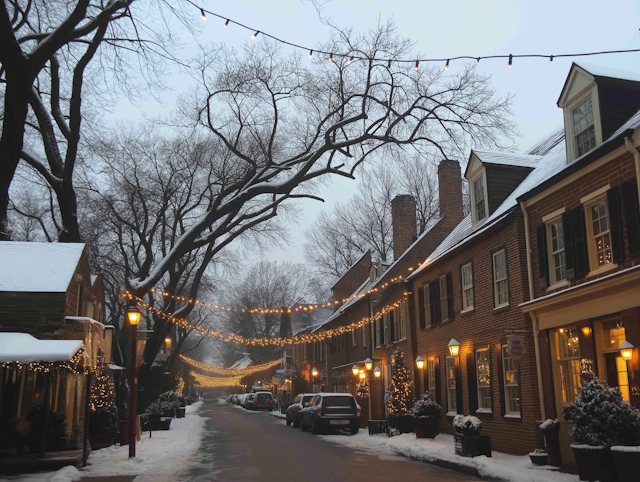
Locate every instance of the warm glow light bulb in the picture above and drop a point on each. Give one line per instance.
(226, 24)
(204, 17)
(446, 67)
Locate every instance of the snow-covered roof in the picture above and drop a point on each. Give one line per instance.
(38, 267)
(84, 319)
(302, 320)
(354, 298)
(507, 158)
(542, 148)
(244, 362)
(600, 71)
(25, 348)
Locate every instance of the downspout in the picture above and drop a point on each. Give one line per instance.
(534, 318)
(636, 158)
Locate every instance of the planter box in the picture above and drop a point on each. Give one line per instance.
(552, 441)
(472, 445)
(627, 463)
(539, 458)
(427, 427)
(594, 463)
(182, 412)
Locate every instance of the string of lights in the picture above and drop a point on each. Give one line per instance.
(74, 365)
(351, 57)
(230, 371)
(214, 382)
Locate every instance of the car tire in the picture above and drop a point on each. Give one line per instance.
(288, 420)
(303, 427)
(354, 429)
(296, 421)
(316, 429)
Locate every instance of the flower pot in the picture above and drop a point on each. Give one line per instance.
(404, 423)
(97, 444)
(182, 411)
(427, 427)
(539, 458)
(472, 445)
(627, 462)
(594, 463)
(552, 442)
(124, 432)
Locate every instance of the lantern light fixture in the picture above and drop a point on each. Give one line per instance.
(454, 347)
(314, 372)
(368, 364)
(363, 375)
(420, 363)
(355, 369)
(133, 314)
(626, 350)
(377, 372)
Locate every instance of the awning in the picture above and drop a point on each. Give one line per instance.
(24, 348)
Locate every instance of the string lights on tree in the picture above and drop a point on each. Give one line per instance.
(398, 394)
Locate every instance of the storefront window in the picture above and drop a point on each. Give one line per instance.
(568, 352)
(484, 380)
(613, 334)
(511, 384)
(612, 366)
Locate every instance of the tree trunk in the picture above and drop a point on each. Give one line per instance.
(67, 202)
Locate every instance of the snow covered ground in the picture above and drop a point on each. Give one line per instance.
(160, 458)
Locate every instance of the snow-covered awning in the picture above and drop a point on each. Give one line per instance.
(25, 348)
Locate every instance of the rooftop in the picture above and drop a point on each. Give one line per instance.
(25, 348)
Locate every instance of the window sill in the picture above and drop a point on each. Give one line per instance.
(602, 269)
(450, 415)
(558, 285)
(468, 310)
(513, 417)
(501, 308)
(484, 411)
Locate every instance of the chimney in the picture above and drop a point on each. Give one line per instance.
(403, 219)
(450, 191)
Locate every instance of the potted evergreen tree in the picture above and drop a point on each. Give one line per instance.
(426, 416)
(467, 439)
(103, 427)
(603, 420)
(551, 431)
(398, 395)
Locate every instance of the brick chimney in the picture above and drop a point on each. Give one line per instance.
(450, 191)
(403, 220)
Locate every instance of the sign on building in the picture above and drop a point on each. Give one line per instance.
(515, 346)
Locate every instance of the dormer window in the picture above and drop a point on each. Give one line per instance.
(480, 204)
(584, 130)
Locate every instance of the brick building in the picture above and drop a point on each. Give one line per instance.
(584, 237)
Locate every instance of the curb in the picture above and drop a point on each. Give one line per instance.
(465, 469)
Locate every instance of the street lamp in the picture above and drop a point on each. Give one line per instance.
(377, 372)
(314, 372)
(626, 350)
(454, 347)
(420, 363)
(368, 364)
(133, 314)
(355, 369)
(363, 375)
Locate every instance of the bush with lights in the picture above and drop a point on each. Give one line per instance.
(363, 389)
(398, 394)
(103, 418)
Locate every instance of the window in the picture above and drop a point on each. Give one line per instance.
(427, 306)
(467, 287)
(353, 338)
(479, 199)
(568, 356)
(483, 372)
(452, 406)
(385, 320)
(364, 335)
(511, 384)
(600, 233)
(378, 341)
(79, 301)
(444, 301)
(584, 131)
(500, 283)
(557, 254)
(399, 321)
(612, 366)
(431, 376)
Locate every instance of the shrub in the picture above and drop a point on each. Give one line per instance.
(103, 423)
(166, 404)
(550, 426)
(426, 407)
(56, 433)
(602, 418)
(468, 425)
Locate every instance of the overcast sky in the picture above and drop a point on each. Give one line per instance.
(440, 29)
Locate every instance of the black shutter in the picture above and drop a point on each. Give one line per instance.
(543, 255)
(421, 307)
(581, 252)
(435, 301)
(450, 296)
(615, 225)
(459, 400)
(392, 333)
(567, 231)
(473, 382)
(436, 366)
(632, 216)
(501, 378)
(382, 333)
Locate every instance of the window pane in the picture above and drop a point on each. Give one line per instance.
(484, 379)
(451, 385)
(512, 388)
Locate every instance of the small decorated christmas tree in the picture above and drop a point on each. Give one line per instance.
(103, 391)
(398, 394)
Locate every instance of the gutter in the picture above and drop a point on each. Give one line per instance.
(636, 158)
(534, 318)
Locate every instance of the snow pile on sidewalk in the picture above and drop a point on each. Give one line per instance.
(499, 467)
(276, 413)
(160, 457)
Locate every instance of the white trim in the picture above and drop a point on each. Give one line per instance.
(495, 281)
(484, 410)
(602, 269)
(595, 194)
(452, 414)
(472, 180)
(466, 288)
(591, 91)
(550, 253)
(512, 416)
(553, 215)
(559, 284)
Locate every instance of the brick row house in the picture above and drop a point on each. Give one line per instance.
(584, 236)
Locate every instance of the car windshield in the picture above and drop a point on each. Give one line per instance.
(306, 399)
(337, 401)
(263, 397)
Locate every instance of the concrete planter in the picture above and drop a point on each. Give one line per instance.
(627, 463)
(594, 463)
(427, 427)
(472, 445)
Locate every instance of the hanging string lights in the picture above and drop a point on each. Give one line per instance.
(350, 57)
(215, 382)
(230, 371)
(74, 365)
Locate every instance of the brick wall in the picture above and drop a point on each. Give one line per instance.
(403, 220)
(450, 191)
(351, 280)
(485, 326)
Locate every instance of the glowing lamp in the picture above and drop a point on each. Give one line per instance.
(420, 363)
(626, 350)
(377, 372)
(454, 347)
(363, 375)
(133, 314)
(314, 372)
(355, 369)
(368, 364)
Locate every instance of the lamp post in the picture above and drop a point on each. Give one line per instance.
(454, 347)
(133, 314)
(420, 366)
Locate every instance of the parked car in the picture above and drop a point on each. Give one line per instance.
(293, 410)
(241, 399)
(259, 388)
(249, 401)
(263, 401)
(331, 410)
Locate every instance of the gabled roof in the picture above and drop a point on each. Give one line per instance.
(244, 362)
(596, 72)
(507, 158)
(38, 267)
(25, 348)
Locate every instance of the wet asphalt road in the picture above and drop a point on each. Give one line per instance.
(254, 446)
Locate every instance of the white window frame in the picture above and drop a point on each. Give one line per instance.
(474, 215)
(572, 150)
(552, 254)
(403, 320)
(575, 134)
(431, 376)
(508, 362)
(591, 236)
(481, 407)
(444, 302)
(496, 281)
(467, 287)
(452, 401)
